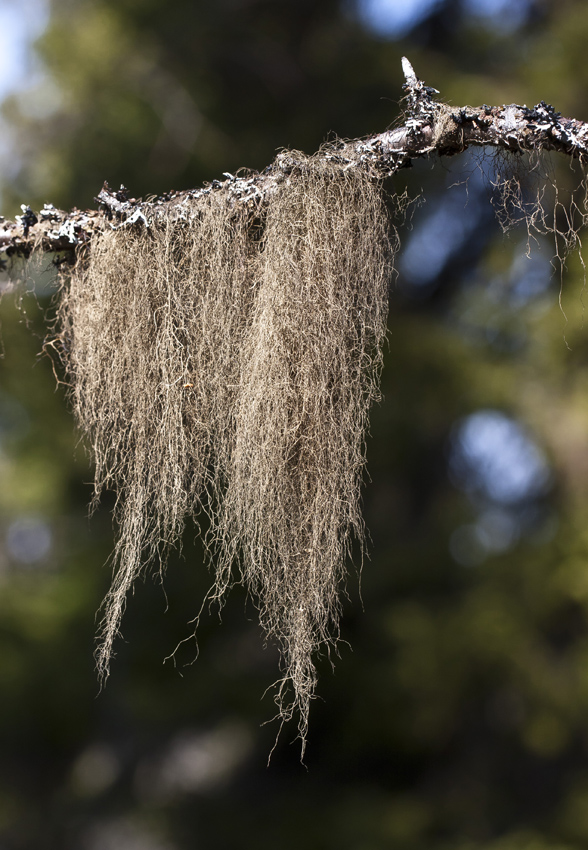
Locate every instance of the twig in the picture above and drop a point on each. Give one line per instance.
(430, 127)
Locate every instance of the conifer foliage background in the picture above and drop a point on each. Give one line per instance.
(459, 719)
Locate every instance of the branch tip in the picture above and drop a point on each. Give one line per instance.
(409, 74)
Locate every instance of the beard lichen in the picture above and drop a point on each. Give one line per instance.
(225, 363)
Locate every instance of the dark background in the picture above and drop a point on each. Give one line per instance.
(456, 717)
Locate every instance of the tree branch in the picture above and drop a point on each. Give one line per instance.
(429, 127)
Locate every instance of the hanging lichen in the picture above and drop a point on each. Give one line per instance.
(225, 362)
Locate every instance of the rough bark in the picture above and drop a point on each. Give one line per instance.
(430, 127)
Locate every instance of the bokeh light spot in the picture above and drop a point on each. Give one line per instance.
(28, 539)
(492, 455)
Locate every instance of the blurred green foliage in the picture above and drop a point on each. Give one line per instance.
(460, 719)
